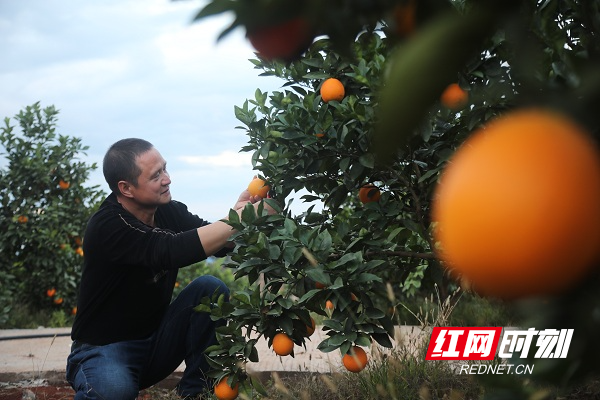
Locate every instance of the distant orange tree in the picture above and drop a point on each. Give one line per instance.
(44, 208)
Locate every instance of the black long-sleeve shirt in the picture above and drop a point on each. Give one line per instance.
(130, 270)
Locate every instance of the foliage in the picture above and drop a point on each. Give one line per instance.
(390, 130)
(212, 266)
(45, 206)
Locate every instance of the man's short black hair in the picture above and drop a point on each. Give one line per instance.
(120, 162)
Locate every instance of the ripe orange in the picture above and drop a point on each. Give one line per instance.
(404, 15)
(22, 219)
(58, 300)
(356, 359)
(454, 97)
(310, 329)
(518, 206)
(332, 89)
(282, 344)
(79, 251)
(225, 392)
(63, 184)
(329, 305)
(285, 41)
(50, 292)
(369, 193)
(258, 187)
(74, 311)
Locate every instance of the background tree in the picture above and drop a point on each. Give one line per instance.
(45, 207)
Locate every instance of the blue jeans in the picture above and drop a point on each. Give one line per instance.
(118, 371)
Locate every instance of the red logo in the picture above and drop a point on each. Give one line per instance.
(463, 343)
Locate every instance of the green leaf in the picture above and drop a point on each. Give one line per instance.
(383, 339)
(422, 68)
(318, 275)
(374, 313)
(367, 160)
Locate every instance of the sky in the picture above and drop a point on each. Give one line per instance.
(138, 68)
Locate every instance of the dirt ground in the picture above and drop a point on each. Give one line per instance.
(53, 392)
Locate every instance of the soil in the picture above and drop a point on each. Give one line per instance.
(56, 393)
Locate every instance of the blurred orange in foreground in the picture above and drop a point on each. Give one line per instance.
(518, 206)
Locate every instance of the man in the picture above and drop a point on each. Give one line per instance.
(127, 335)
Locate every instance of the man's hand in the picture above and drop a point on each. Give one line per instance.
(246, 197)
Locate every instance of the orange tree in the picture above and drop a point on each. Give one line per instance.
(394, 58)
(45, 206)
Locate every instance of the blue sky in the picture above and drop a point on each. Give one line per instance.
(137, 68)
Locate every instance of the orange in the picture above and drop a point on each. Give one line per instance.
(454, 97)
(369, 193)
(518, 206)
(320, 285)
(50, 292)
(63, 185)
(310, 329)
(58, 300)
(79, 251)
(22, 219)
(258, 187)
(285, 41)
(225, 392)
(282, 344)
(404, 15)
(356, 359)
(74, 311)
(329, 305)
(332, 89)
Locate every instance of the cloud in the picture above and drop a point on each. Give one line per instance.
(136, 68)
(225, 159)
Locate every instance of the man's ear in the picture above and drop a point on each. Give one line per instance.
(125, 188)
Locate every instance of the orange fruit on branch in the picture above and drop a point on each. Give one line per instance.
(518, 206)
(454, 97)
(404, 18)
(50, 292)
(369, 193)
(320, 285)
(332, 89)
(285, 41)
(22, 219)
(63, 184)
(225, 392)
(258, 187)
(282, 344)
(310, 329)
(356, 359)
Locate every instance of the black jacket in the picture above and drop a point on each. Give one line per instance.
(130, 270)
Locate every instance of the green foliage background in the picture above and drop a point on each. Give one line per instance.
(39, 252)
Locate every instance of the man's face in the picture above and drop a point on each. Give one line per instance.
(153, 183)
